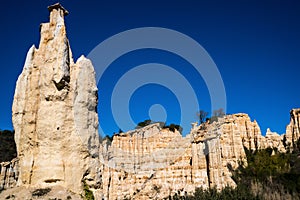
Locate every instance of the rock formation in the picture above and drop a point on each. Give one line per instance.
(252, 137)
(54, 113)
(56, 134)
(154, 162)
(274, 140)
(9, 174)
(249, 131)
(293, 129)
(151, 162)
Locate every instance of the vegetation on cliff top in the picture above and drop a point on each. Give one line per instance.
(172, 127)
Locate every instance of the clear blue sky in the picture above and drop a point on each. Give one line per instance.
(254, 43)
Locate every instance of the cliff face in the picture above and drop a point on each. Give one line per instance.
(54, 112)
(249, 131)
(153, 162)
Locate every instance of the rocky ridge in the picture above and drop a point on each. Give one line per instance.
(153, 162)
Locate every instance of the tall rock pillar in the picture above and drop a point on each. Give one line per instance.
(54, 113)
(293, 129)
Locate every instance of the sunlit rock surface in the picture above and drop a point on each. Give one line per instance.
(56, 134)
(54, 113)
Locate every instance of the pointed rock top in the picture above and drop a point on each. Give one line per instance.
(58, 6)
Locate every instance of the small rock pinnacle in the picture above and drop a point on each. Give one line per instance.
(58, 6)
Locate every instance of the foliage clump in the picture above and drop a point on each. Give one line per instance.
(173, 127)
(88, 194)
(144, 123)
(271, 173)
(228, 193)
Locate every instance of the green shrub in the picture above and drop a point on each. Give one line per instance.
(173, 127)
(144, 123)
(274, 173)
(227, 193)
(88, 194)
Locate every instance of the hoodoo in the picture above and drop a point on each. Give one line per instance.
(54, 113)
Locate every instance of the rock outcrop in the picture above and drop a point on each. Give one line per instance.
(54, 113)
(274, 140)
(293, 129)
(249, 131)
(9, 174)
(154, 162)
(251, 134)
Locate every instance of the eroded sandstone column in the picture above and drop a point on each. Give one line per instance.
(293, 129)
(54, 112)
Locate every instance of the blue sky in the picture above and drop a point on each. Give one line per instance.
(255, 45)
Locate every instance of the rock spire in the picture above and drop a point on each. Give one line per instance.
(54, 113)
